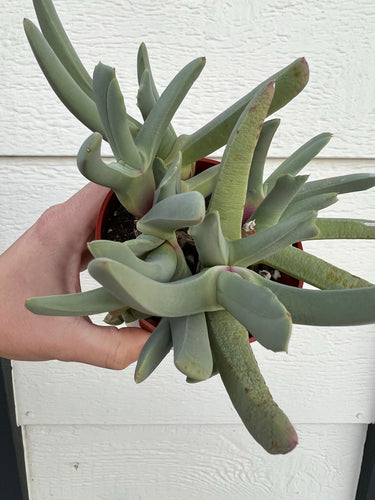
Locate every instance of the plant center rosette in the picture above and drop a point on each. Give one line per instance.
(115, 223)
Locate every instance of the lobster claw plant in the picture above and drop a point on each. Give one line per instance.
(235, 218)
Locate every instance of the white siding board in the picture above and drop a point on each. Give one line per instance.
(28, 186)
(192, 462)
(321, 381)
(244, 42)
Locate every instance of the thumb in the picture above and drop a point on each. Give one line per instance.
(82, 209)
(104, 346)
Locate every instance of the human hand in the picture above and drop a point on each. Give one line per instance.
(46, 260)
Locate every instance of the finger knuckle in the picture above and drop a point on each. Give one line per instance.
(116, 358)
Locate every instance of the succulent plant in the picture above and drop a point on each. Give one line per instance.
(235, 218)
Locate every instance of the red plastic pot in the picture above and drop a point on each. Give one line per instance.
(110, 204)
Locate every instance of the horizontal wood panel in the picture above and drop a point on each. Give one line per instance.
(190, 462)
(326, 377)
(244, 42)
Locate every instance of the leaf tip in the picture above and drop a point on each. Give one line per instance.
(287, 444)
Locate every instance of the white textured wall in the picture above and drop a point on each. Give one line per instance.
(94, 434)
(244, 42)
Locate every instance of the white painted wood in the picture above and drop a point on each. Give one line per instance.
(244, 42)
(317, 382)
(193, 462)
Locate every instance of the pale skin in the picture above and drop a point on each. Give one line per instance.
(47, 259)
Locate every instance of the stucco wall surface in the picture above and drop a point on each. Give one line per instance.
(94, 434)
(244, 42)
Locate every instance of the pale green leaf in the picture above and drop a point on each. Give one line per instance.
(258, 246)
(210, 242)
(257, 308)
(345, 229)
(159, 264)
(191, 346)
(229, 195)
(289, 82)
(240, 373)
(74, 304)
(154, 351)
(313, 270)
(176, 212)
(276, 201)
(58, 40)
(299, 159)
(179, 298)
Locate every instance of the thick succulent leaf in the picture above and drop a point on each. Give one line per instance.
(111, 108)
(131, 315)
(204, 182)
(215, 371)
(176, 212)
(246, 387)
(116, 317)
(313, 270)
(134, 189)
(347, 307)
(159, 264)
(209, 240)
(143, 65)
(146, 100)
(63, 84)
(179, 298)
(191, 346)
(257, 308)
(318, 202)
(170, 183)
(136, 193)
(345, 229)
(74, 304)
(91, 165)
(182, 268)
(299, 159)
(154, 351)
(229, 195)
(255, 195)
(258, 246)
(151, 134)
(58, 40)
(120, 127)
(341, 184)
(159, 169)
(270, 210)
(143, 244)
(289, 82)
(102, 77)
(147, 97)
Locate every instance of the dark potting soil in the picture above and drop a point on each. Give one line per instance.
(119, 225)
